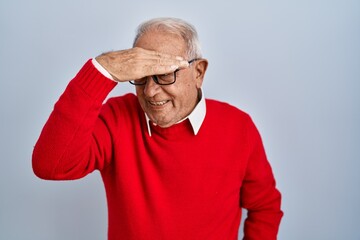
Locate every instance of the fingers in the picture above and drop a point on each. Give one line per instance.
(158, 55)
(161, 63)
(169, 64)
(159, 69)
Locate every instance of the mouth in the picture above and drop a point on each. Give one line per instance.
(158, 103)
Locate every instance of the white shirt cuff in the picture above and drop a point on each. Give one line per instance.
(101, 69)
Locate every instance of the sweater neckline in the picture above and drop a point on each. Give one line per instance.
(175, 132)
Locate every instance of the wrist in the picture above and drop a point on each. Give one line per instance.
(101, 69)
(93, 82)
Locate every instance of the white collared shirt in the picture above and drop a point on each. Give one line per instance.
(196, 117)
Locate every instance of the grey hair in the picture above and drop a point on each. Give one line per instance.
(176, 26)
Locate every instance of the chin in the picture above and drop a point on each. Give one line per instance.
(164, 124)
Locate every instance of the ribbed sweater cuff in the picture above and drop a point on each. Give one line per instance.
(93, 82)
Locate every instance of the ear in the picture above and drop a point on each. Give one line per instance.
(200, 69)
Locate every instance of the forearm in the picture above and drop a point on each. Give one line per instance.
(63, 150)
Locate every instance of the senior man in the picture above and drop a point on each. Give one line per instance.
(174, 164)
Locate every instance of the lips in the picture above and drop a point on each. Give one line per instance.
(158, 103)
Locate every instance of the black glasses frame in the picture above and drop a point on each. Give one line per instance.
(156, 80)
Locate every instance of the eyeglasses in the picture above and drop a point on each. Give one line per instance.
(164, 79)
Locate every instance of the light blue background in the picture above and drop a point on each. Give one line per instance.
(293, 65)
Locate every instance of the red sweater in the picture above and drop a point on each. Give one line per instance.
(171, 185)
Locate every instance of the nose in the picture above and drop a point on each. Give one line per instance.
(151, 88)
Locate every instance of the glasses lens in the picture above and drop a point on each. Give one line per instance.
(165, 79)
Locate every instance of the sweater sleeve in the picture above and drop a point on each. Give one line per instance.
(259, 194)
(68, 147)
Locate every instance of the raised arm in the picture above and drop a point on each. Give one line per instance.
(68, 147)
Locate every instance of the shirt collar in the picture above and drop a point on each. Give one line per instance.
(196, 117)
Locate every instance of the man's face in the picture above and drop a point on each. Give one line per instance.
(166, 105)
